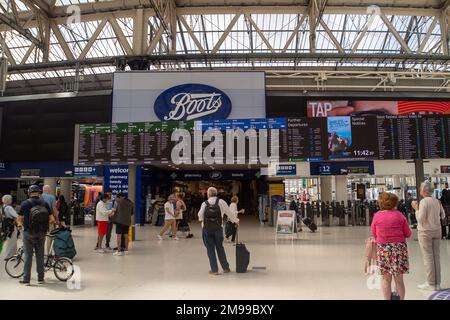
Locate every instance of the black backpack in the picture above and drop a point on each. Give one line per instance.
(213, 216)
(38, 219)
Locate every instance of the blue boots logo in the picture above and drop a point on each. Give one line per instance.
(192, 102)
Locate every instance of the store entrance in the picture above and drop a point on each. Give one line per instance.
(158, 184)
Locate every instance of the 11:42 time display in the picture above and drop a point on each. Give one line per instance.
(363, 153)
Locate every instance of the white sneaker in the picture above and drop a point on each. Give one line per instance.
(118, 253)
(426, 286)
(100, 251)
(176, 238)
(159, 237)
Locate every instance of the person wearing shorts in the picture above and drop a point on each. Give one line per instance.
(122, 218)
(102, 216)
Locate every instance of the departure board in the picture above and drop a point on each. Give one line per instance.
(148, 142)
(434, 140)
(133, 140)
(399, 137)
(86, 143)
(102, 144)
(306, 139)
(119, 149)
(408, 137)
(291, 139)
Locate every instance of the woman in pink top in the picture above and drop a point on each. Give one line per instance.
(390, 229)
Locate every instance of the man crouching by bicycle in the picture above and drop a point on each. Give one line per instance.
(35, 216)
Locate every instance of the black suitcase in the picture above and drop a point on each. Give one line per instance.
(310, 224)
(242, 256)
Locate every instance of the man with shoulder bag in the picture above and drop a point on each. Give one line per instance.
(35, 216)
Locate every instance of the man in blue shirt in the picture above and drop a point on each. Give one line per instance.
(32, 242)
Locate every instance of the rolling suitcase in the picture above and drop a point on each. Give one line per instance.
(242, 256)
(310, 224)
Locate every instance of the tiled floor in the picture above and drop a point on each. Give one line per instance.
(325, 265)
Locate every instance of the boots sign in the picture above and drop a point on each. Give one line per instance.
(192, 102)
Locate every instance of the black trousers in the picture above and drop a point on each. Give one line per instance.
(230, 230)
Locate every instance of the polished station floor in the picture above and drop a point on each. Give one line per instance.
(327, 264)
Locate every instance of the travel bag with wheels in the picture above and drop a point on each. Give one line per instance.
(310, 224)
(63, 244)
(242, 256)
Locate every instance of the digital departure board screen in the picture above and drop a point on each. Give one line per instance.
(102, 144)
(86, 144)
(304, 139)
(434, 136)
(398, 137)
(257, 140)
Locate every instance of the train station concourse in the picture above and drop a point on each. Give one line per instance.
(232, 154)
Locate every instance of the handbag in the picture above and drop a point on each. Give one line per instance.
(371, 255)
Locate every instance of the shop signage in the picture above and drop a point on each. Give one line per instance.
(84, 171)
(116, 179)
(445, 169)
(192, 102)
(215, 175)
(30, 172)
(286, 170)
(211, 175)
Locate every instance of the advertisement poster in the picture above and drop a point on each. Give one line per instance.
(329, 108)
(339, 137)
(286, 222)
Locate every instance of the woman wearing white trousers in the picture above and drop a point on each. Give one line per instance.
(429, 213)
(10, 213)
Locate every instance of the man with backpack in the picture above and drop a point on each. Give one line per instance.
(35, 215)
(211, 215)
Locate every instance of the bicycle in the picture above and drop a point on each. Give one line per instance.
(62, 267)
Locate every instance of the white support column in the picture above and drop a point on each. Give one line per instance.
(132, 196)
(444, 29)
(341, 188)
(140, 32)
(396, 184)
(326, 189)
(52, 182)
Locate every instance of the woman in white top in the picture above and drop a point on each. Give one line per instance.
(170, 218)
(230, 228)
(429, 213)
(11, 214)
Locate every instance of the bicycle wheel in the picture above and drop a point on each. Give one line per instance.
(14, 266)
(63, 269)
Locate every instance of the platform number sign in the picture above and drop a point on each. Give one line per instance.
(325, 169)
